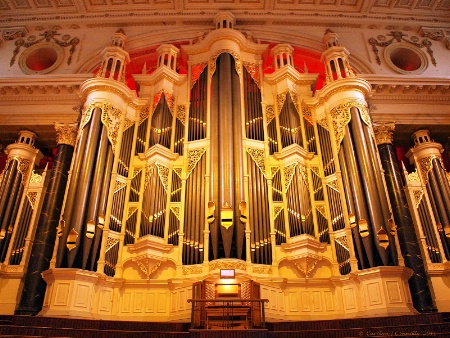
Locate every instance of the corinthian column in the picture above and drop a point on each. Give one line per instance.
(41, 253)
(409, 243)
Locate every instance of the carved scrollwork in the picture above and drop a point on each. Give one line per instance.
(35, 178)
(253, 70)
(270, 113)
(181, 113)
(32, 198)
(192, 270)
(163, 173)
(257, 156)
(289, 172)
(194, 156)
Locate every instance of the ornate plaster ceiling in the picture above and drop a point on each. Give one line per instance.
(247, 11)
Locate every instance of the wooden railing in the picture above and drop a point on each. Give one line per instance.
(228, 313)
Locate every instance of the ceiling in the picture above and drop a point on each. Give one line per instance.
(15, 12)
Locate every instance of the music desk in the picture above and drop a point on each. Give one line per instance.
(227, 315)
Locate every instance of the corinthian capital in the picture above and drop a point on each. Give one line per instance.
(66, 133)
(384, 132)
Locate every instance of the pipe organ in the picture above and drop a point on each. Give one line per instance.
(228, 167)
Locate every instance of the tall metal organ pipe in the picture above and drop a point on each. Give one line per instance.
(226, 140)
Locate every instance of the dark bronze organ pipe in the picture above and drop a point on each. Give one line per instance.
(442, 184)
(94, 197)
(238, 163)
(10, 213)
(369, 183)
(214, 170)
(102, 206)
(7, 184)
(83, 187)
(351, 207)
(357, 190)
(266, 222)
(439, 205)
(61, 258)
(380, 186)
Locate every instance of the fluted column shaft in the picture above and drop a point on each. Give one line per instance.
(43, 244)
(409, 243)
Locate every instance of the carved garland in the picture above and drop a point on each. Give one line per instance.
(399, 37)
(47, 36)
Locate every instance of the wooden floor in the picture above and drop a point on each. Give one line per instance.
(421, 325)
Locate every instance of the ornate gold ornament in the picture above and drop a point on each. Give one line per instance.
(276, 211)
(289, 172)
(178, 171)
(220, 264)
(237, 61)
(196, 71)
(262, 270)
(192, 270)
(194, 156)
(119, 185)
(32, 198)
(307, 114)
(35, 178)
(176, 211)
(343, 242)
(163, 173)
(169, 100)
(324, 123)
(274, 170)
(143, 114)
(321, 210)
(340, 117)
(253, 70)
(110, 243)
(281, 98)
(66, 133)
(257, 156)
(384, 132)
(397, 37)
(417, 194)
(181, 113)
(270, 113)
(333, 184)
(131, 211)
(146, 266)
(111, 117)
(149, 172)
(426, 164)
(414, 176)
(306, 265)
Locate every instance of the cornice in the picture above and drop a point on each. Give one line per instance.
(413, 88)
